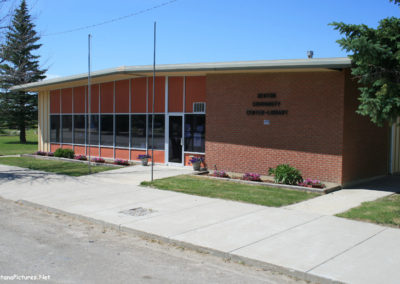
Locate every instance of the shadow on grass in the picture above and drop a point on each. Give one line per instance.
(18, 143)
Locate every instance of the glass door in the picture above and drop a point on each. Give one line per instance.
(175, 139)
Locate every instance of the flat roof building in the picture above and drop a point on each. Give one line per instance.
(241, 116)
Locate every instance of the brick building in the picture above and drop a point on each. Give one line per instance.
(242, 116)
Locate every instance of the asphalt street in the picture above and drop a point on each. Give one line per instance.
(61, 249)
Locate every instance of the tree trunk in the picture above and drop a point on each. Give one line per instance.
(22, 134)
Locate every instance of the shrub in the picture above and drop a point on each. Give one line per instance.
(286, 174)
(40, 153)
(80, 157)
(64, 153)
(98, 160)
(121, 162)
(221, 174)
(50, 154)
(251, 177)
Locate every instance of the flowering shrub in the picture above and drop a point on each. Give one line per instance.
(98, 160)
(141, 157)
(221, 174)
(196, 160)
(251, 177)
(121, 162)
(312, 183)
(80, 157)
(50, 154)
(41, 153)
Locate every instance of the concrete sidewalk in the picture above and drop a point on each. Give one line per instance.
(307, 244)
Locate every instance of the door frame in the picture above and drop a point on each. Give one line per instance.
(181, 114)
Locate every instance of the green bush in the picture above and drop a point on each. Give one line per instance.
(286, 174)
(64, 153)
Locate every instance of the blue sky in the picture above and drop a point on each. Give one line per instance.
(194, 30)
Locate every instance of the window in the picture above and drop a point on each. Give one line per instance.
(195, 128)
(79, 129)
(138, 125)
(159, 131)
(107, 130)
(55, 128)
(66, 132)
(122, 130)
(93, 129)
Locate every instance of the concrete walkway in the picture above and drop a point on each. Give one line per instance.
(310, 245)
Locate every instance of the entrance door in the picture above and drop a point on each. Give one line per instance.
(175, 140)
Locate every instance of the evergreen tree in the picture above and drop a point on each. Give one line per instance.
(376, 60)
(18, 109)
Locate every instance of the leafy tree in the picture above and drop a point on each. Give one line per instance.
(376, 60)
(18, 109)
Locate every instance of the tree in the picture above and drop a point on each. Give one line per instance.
(376, 60)
(20, 66)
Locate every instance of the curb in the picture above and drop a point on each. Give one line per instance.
(148, 236)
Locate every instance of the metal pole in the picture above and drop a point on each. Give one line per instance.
(152, 114)
(89, 101)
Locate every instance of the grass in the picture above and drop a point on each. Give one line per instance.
(384, 211)
(256, 194)
(59, 167)
(9, 145)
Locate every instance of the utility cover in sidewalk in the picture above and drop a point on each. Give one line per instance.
(139, 211)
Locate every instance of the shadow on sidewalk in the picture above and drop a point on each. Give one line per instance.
(28, 176)
(388, 183)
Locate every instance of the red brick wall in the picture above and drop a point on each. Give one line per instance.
(310, 137)
(366, 146)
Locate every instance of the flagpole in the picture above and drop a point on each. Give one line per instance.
(89, 99)
(152, 114)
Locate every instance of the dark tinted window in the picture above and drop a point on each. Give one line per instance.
(54, 128)
(79, 129)
(138, 126)
(122, 130)
(93, 129)
(66, 124)
(195, 129)
(159, 131)
(107, 130)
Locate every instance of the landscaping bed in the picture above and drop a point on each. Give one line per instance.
(49, 165)
(384, 211)
(238, 191)
(106, 163)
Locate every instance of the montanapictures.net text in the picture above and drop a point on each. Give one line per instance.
(25, 277)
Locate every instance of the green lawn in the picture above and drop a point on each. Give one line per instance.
(385, 211)
(59, 167)
(9, 145)
(257, 194)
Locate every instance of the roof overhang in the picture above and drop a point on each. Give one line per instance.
(191, 69)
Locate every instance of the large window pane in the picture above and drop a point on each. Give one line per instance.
(79, 129)
(107, 130)
(138, 125)
(159, 131)
(122, 130)
(93, 129)
(55, 128)
(66, 133)
(195, 128)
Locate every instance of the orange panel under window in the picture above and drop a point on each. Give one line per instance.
(66, 100)
(55, 101)
(138, 93)
(54, 147)
(175, 94)
(67, 147)
(122, 154)
(79, 100)
(79, 150)
(107, 152)
(158, 155)
(159, 94)
(94, 152)
(195, 91)
(107, 97)
(189, 156)
(122, 96)
(94, 106)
